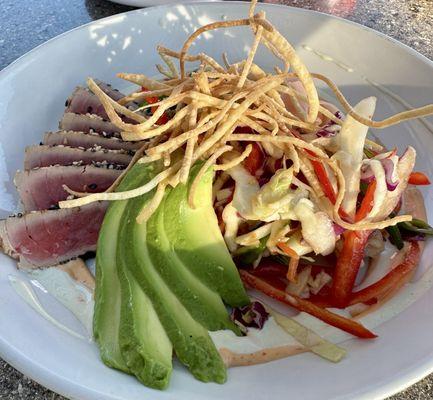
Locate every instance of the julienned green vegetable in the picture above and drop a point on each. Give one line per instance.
(168, 294)
(414, 227)
(417, 226)
(247, 255)
(368, 153)
(395, 236)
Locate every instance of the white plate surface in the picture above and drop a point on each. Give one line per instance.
(33, 91)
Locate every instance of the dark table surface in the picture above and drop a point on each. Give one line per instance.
(25, 24)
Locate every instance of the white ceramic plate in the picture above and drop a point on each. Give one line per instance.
(150, 3)
(33, 91)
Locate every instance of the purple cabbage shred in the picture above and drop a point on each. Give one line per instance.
(253, 315)
(338, 230)
(367, 174)
(329, 129)
(416, 237)
(388, 166)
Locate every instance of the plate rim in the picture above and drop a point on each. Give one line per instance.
(70, 389)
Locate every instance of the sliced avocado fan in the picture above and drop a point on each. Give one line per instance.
(161, 284)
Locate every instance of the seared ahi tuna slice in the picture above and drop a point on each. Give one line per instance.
(83, 101)
(42, 188)
(44, 156)
(88, 140)
(108, 89)
(87, 123)
(45, 238)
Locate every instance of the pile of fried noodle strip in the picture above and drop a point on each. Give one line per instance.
(211, 103)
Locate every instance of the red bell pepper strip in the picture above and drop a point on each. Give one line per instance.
(347, 267)
(418, 178)
(321, 301)
(367, 202)
(255, 160)
(352, 254)
(322, 176)
(391, 280)
(162, 119)
(300, 304)
(151, 100)
(325, 183)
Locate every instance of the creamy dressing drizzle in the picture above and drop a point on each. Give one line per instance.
(326, 57)
(76, 297)
(26, 292)
(270, 336)
(376, 85)
(232, 359)
(270, 343)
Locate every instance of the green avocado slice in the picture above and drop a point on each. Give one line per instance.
(204, 304)
(126, 326)
(106, 317)
(195, 236)
(144, 344)
(190, 339)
